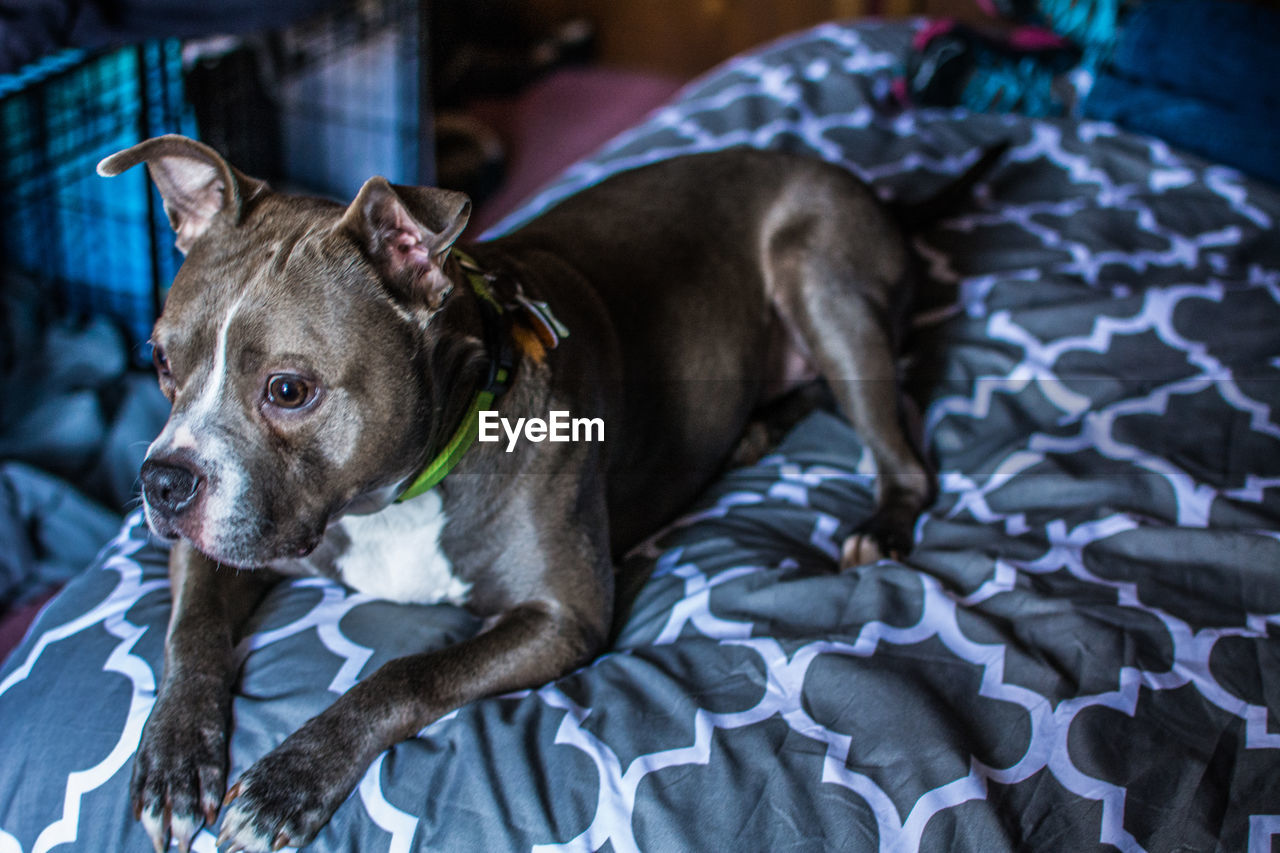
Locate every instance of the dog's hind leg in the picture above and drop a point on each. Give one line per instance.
(843, 308)
(853, 350)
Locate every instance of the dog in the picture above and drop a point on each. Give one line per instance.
(328, 366)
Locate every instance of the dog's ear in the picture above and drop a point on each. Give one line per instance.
(197, 185)
(407, 232)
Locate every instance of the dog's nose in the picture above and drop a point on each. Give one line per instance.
(169, 487)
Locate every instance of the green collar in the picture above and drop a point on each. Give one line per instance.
(501, 364)
(453, 452)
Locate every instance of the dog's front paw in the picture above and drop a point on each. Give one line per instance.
(288, 795)
(180, 772)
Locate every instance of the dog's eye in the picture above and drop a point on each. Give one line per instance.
(288, 391)
(161, 361)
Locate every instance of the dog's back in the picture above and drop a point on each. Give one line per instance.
(697, 262)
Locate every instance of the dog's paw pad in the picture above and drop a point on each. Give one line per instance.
(859, 550)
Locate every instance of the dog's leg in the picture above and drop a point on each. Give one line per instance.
(843, 312)
(289, 794)
(854, 349)
(179, 773)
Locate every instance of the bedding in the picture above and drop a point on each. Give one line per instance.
(1080, 653)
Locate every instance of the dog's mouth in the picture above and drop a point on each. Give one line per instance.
(260, 558)
(236, 554)
(250, 536)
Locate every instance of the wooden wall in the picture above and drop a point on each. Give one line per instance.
(685, 37)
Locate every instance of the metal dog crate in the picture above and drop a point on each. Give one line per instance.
(323, 105)
(95, 245)
(319, 106)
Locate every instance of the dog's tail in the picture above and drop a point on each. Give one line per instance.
(918, 215)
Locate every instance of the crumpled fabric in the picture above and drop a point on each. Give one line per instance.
(75, 423)
(49, 532)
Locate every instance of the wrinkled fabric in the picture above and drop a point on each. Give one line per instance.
(48, 532)
(75, 423)
(73, 407)
(1080, 653)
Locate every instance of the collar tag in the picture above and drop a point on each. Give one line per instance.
(545, 323)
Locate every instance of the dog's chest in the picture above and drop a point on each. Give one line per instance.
(393, 554)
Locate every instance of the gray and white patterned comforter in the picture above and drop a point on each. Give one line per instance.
(1081, 653)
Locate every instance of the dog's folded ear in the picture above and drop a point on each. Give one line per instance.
(197, 185)
(407, 232)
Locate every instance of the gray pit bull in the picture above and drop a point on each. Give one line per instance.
(326, 362)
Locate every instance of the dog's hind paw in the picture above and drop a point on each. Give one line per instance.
(889, 534)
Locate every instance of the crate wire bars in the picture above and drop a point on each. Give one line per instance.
(96, 247)
(319, 107)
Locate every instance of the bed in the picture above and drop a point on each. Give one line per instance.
(1081, 652)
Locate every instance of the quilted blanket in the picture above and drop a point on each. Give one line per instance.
(1080, 653)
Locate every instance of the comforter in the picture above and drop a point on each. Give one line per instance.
(1080, 653)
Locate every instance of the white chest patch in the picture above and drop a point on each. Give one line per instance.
(393, 554)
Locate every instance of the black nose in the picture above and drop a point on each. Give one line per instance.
(169, 487)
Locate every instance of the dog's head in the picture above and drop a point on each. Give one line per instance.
(301, 348)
